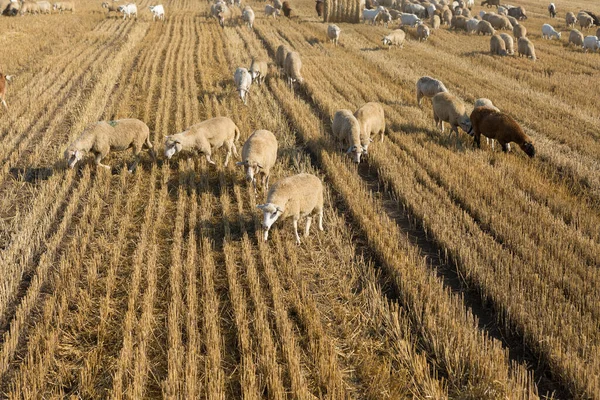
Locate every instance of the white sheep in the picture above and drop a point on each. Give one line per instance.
(103, 137)
(259, 154)
(385, 17)
(435, 22)
(395, 38)
(585, 21)
(271, 11)
(409, 20)
(205, 137)
(292, 67)
(570, 19)
(422, 32)
(371, 15)
(472, 25)
(258, 70)
(296, 196)
(243, 80)
(248, 16)
(485, 28)
(548, 32)
(346, 132)
(429, 87)
(449, 108)
(513, 21)
(157, 11)
(371, 118)
(591, 43)
(44, 7)
(333, 33)
(509, 42)
(128, 10)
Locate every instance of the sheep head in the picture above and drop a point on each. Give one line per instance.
(73, 156)
(271, 212)
(355, 152)
(173, 146)
(465, 123)
(528, 148)
(251, 168)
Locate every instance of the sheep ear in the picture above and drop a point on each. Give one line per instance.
(259, 166)
(278, 209)
(241, 163)
(349, 149)
(370, 139)
(260, 206)
(9, 78)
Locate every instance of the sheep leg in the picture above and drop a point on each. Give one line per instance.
(227, 157)
(4, 104)
(210, 161)
(99, 157)
(505, 147)
(135, 163)
(265, 183)
(382, 132)
(321, 219)
(296, 230)
(307, 227)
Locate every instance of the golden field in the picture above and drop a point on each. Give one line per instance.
(444, 271)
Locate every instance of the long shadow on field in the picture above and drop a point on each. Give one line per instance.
(32, 174)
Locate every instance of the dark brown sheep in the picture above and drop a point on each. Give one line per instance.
(369, 4)
(319, 8)
(287, 10)
(500, 126)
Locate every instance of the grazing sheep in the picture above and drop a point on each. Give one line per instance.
(485, 28)
(111, 7)
(483, 102)
(259, 154)
(64, 6)
(296, 196)
(157, 12)
(319, 7)
(248, 17)
(371, 15)
(333, 33)
(490, 3)
(576, 38)
(409, 20)
(513, 21)
(459, 22)
(128, 10)
(346, 132)
(449, 108)
(4, 80)
(466, 13)
(292, 67)
(29, 7)
(372, 122)
(501, 127)
(271, 11)
(552, 10)
(591, 43)
(570, 19)
(519, 31)
(282, 52)
(429, 87)
(422, 32)
(509, 43)
(435, 22)
(447, 17)
(594, 17)
(500, 22)
(517, 12)
(224, 13)
(497, 46)
(44, 7)
(585, 21)
(526, 48)
(395, 38)
(472, 25)
(417, 9)
(205, 137)
(385, 17)
(103, 137)
(287, 10)
(548, 32)
(243, 80)
(258, 70)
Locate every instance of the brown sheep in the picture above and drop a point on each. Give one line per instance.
(490, 3)
(519, 31)
(319, 8)
(287, 10)
(500, 126)
(497, 46)
(517, 12)
(4, 79)
(459, 22)
(525, 48)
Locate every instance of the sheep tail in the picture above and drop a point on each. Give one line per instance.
(237, 134)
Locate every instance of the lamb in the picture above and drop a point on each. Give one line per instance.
(258, 70)
(243, 80)
(395, 38)
(372, 122)
(472, 25)
(205, 137)
(346, 132)
(585, 21)
(525, 48)
(429, 87)
(458, 22)
(435, 22)
(449, 108)
(409, 20)
(486, 16)
(111, 7)
(44, 7)
(485, 28)
(422, 32)
(371, 15)
(591, 42)
(128, 10)
(509, 43)
(64, 6)
(548, 32)
(394, 13)
(259, 154)
(552, 10)
(501, 127)
(497, 45)
(282, 52)
(490, 3)
(157, 12)
(333, 33)
(103, 137)
(296, 196)
(519, 31)
(576, 38)
(271, 11)
(248, 16)
(500, 22)
(4, 80)
(292, 67)
(517, 12)
(287, 10)
(570, 19)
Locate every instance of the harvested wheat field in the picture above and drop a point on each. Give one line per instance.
(443, 270)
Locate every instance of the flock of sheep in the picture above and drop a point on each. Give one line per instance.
(15, 7)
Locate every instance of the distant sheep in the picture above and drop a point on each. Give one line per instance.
(490, 3)
(435, 22)
(517, 12)
(429, 87)
(64, 6)
(509, 43)
(500, 22)
(513, 21)
(158, 12)
(519, 31)
(395, 38)
(128, 10)
(472, 25)
(29, 7)
(258, 70)
(243, 80)
(282, 52)
(485, 28)
(501, 127)
(292, 67)
(447, 17)
(259, 155)
(585, 21)
(295, 196)
(459, 22)
(371, 118)
(497, 46)
(591, 43)
(548, 32)
(385, 18)
(248, 17)
(410, 20)
(205, 137)
(449, 108)
(271, 11)
(100, 138)
(526, 48)
(576, 38)
(333, 33)
(552, 10)
(4, 81)
(422, 32)
(346, 132)
(570, 19)
(595, 18)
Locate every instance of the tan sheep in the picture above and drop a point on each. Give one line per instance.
(292, 67)
(485, 28)
(509, 43)
(513, 21)
(29, 7)
(500, 22)
(570, 19)
(296, 196)
(422, 32)
(429, 87)
(205, 137)
(519, 31)
(483, 102)
(103, 137)
(525, 47)
(576, 38)
(501, 127)
(258, 70)
(371, 118)
(282, 52)
(435, 22)
(346, 132)
(333, 33)
(458, 22)
(449, 108)
(111, 7)
(395, 38)
(497, 46)
(44, 7)
(447, 16)
(585, 21)
(64, 6)
(259, 155)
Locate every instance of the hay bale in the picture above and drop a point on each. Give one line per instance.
(343, 10)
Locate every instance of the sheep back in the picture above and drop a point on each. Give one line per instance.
(298, 195)
(292, 66)
(485, 28)
(280, 56)
(497, 45)
(449, 108)
(260, 149)
(526, 48)
(346, 129)
(371, 118)
(519, 31)
(576, 38)
(509, 43)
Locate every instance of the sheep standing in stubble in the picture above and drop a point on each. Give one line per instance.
(371, 118)
(422, 32)
(258, 70)
(333, 33)
(509, 43)
(346, 132)
(576, 38)
(394, 38)
(570, 19)
(519, 31)
(497, 46)
(280, 56)
(296, 196)
(259, 155)
(205, 137)
(449, 108)
(103, 137)
(485, 28)
(248, 17)
(429, 87)
(525, 48)
(501, 127)
(292, 67)
(243, 80)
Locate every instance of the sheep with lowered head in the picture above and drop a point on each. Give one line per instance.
(346, 132)
(435, 22)
(248, 17)
(103, 137)
(429, 87)
(500, 22)
(472, 25)
(395, 38)
(449, 108)
(243, 80)
(333, 33)
(282, 52)
(509, 43)
(497, 46)
(422, 32)
(485, 28)
(585, 21)
(591, 42)
(259, 154)
(64, 6)
(576, 38)
(371, 118)
(458, 22)
(292, 67)
(519, 31)
(258, 70)
(497, 125)
(205, 137)
(570, 19)
(296, 196)
(525, 48)
(548, 32)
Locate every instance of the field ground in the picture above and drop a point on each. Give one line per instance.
(444, 271)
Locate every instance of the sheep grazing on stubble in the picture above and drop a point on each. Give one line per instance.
(429, 87)
(371, 118)
(281, 54)
(243, 81)
(248, 17)
(111, 7)
(517, 12)
(259, 155)
(258, 70)
(205, 137)
(346, 132)
(395, 38)
(548, 32)
(422, 32)
(333, 33)
(100, 138)
(485, 28)
(501, 127)
(497, 46)
(570, 19)
(552, 10)
(519, 31)
(271, 11)
(509, 43)
(292, 67)
(585, 21)
(64, 6)
(526, 48)
(591, 43)
(296, 196)
(449, 108)
(576, 38)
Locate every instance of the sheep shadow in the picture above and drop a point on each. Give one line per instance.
(32, 174)
(371, 49)
(461, 144)
(475, 53)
